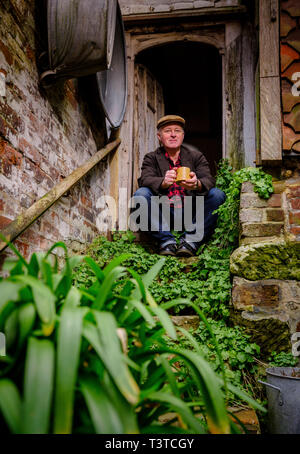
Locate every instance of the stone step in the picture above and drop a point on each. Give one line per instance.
(246, 416)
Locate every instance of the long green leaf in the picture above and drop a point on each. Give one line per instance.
(73, 298)
(44, 300)
(106, 343)
(68, 350)
(212, 335)
(104, 415)
(11, 328)
(208, 384)
(107, 285)
(178, 405)
(244, 396)
(170, 376)
(115, 263)
(27, 315)
(149, 277)
(125, 410)
(95, 268)
(166, 321)
(10, 404)
(210, 390)
(144, 311)
(38, 386)
(9, 291)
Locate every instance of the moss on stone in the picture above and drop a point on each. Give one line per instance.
(268, 260)
(271, 334)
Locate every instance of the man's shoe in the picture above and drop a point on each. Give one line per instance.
(185, 250)
(169, 249)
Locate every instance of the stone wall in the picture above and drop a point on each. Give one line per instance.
(266, 266)
(276, 218)
(44, 136)
(158, 6)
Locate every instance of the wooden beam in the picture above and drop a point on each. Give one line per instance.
(231, 11)
(268, 39)
(270, 96)
(24, 220)
(270, 121)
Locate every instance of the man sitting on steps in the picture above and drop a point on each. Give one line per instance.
(158, 178)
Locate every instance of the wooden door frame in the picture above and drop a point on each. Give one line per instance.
(228, 38)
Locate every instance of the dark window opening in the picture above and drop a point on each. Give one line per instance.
(191, 78)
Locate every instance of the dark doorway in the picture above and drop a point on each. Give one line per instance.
(191, 78)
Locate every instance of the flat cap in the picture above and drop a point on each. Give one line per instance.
(163, 121)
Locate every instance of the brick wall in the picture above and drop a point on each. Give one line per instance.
(44, 136)
(157, 6)
(277, 217)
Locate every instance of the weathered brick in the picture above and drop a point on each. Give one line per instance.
(86, 202)
(252, 201)
(247, 187)
(3, 127)
(293, 191)
(294, 217)
(276, 215)
(295, 230)
(12, 118)
(30, 151)
(274, 200)
(245, 293)
(279, 187)
(264, 229)
(86, 213)
(22, 247)
(251, 215)
(6, 52)
(4, 221)
(295, 203)
(9, 157)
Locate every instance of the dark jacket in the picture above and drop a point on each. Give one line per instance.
(155, 165)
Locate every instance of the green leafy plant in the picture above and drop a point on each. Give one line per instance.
(236, 351)
(96, 360)
(282, 359)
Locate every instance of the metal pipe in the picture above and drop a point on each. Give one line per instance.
(24, 220)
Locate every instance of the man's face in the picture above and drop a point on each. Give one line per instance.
(171, 136)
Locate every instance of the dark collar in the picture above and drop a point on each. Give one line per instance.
(185, 158)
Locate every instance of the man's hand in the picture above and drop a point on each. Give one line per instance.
(170, 178)
(191, 184)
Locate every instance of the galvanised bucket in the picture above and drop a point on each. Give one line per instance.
(283, 392)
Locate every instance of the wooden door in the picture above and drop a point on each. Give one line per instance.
(149, 107)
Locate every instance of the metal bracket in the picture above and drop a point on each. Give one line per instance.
(280, 398)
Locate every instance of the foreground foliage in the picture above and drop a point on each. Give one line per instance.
(94, 360)
(207, 282)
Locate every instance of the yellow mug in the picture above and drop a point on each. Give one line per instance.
(183, 173)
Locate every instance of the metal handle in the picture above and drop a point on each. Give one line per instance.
(280, 399)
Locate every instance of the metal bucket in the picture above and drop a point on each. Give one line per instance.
(112, 84)
(283, 392)
(81, 37)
